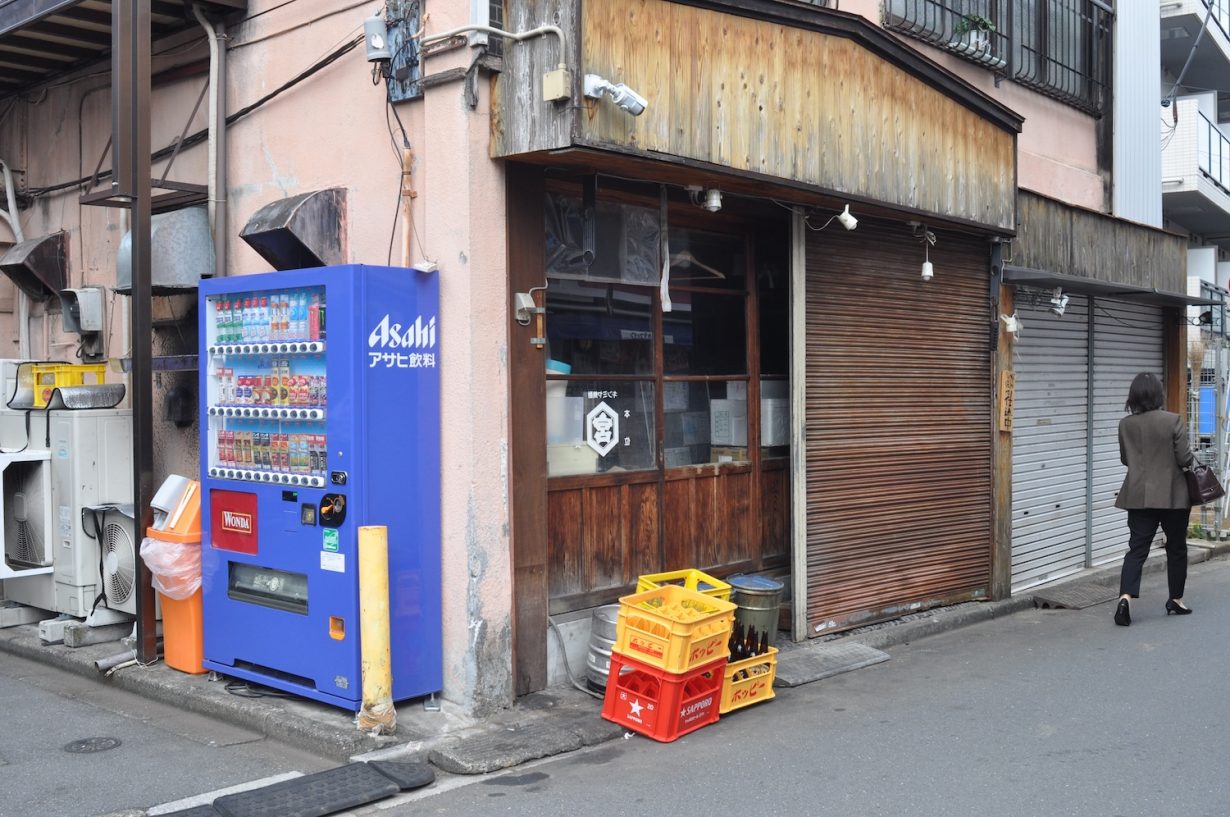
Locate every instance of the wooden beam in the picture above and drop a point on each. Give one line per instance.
(1002, 303)
(528, 450)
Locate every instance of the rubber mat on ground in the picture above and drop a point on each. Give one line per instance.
(813, 663)
(196, 811)
(313, 795)
(1075, 595)
(406, 774)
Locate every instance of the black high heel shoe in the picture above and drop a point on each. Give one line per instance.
(1173, 607)
(1123, 614)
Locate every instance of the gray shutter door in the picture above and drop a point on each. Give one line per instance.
(1049, 441)
(1127, 340)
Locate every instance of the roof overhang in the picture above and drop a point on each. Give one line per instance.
(1107, 289)
(44, 39)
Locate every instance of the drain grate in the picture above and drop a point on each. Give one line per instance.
(87, 746)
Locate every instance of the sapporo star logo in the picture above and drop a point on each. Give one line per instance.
(635, 708)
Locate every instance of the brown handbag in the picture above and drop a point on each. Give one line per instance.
(1202, 484)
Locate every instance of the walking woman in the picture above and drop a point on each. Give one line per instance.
(1153, 445)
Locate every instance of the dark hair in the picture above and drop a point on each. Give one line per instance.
(1145, 394)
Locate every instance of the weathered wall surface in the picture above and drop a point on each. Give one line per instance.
(329, 130)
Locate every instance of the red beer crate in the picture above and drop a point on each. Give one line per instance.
(658, 704)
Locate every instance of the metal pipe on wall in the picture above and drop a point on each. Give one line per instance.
(217, 137)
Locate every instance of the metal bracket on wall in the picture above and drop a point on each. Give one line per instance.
(165, 363)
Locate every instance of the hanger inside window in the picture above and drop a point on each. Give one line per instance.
(686, 260)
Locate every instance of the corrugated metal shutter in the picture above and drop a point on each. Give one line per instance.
(1127, 340)
(898, 425)
(1049, 438)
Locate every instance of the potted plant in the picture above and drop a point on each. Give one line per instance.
(974, 31)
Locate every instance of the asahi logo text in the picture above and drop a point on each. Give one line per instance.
(238, 522)
(418, 335)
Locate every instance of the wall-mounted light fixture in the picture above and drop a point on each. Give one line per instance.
(848, 221)
(1059, 302)
(710, 199)
(928, 241)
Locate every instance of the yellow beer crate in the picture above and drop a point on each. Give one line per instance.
(48, 377)
(749, 681)
(674, 628)
(690, 579)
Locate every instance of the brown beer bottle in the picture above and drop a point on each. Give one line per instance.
(736, 642)
(764, 643)
(750, 647)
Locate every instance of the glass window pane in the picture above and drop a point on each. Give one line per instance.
(709, 260)
(595, 328)
(623, 246)
(705, 422)
(595, 426)
(773, 292)
(705, 334)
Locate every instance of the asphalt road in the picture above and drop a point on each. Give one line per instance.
(1039, 714)
(163, 754)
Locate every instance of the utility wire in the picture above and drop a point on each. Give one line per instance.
(203, 134)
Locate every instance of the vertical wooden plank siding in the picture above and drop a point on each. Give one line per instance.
(519, 122)
(1057, 237)
(787, 102)
(528, 452)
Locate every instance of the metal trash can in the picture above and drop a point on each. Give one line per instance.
(759, 598)
(601, 642)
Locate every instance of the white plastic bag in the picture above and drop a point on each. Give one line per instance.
(176, 567)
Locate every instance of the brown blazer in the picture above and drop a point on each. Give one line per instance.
(1153, 445)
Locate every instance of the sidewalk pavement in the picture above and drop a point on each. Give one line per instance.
(555, 721)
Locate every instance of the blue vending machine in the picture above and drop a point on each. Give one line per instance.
(320, 396)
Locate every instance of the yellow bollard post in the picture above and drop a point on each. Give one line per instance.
(377, 715)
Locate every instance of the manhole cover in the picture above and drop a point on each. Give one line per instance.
(87, 745)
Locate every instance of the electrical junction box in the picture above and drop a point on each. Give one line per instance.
(556, 85)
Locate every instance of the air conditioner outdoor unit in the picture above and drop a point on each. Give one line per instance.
(91, 466)
(26, 529)
(119, 559)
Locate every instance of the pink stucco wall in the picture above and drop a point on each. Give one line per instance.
(328, 131)
(1057, 147)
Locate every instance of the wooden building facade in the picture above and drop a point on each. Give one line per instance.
(873, 493)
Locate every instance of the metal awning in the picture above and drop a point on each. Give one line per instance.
(1089, 286)
(44, 39)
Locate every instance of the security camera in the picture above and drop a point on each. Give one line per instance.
(620, 94)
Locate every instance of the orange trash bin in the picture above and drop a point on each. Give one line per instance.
(183, 640)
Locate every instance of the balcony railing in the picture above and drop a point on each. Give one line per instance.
(1058, 47)
(1213, 153)
(1221, 14)
(950, 24)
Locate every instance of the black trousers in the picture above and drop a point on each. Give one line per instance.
(1143, 526)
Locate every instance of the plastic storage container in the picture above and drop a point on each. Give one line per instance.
(673, 628)
(661, 705)
(690, 579)
(50, 376)
(749, 681)
(758, 599)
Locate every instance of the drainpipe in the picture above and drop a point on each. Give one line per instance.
(23, 303)
(217, 138)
